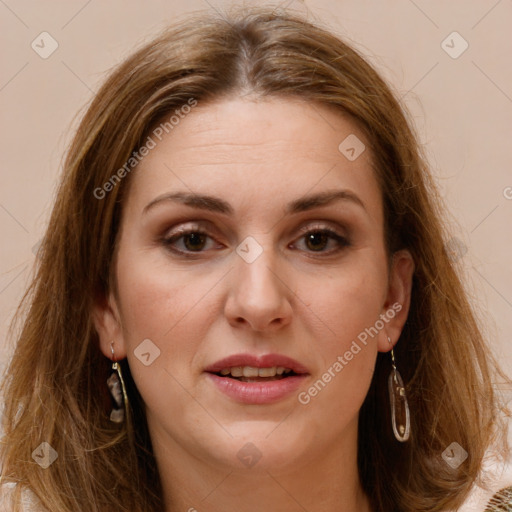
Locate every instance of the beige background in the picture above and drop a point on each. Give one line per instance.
(462, 108)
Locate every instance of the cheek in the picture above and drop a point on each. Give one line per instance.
(348, 305)
(156, 298)
(167, 307)
(173, 308)
(347, 300)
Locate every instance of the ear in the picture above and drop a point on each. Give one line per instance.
(396, 307)
(106, 319)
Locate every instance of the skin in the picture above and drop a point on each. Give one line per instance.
(307, 301)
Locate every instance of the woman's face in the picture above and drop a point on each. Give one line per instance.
(254, 231)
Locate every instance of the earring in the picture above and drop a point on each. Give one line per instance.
(117, 389)
(400, 418)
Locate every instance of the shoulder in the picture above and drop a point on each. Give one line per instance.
(494, 497)
(493, 492)
(29, 501)
(501, 499)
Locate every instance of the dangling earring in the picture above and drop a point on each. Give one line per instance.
(118, 391)
(400, 418)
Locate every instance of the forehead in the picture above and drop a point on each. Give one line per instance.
(252, 149)
(245, 125)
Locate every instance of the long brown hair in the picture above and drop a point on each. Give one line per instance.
(55, 386)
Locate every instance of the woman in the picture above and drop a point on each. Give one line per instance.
(243, 300)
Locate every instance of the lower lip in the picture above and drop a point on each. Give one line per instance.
(257, 393)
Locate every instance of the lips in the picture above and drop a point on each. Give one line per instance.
(257, 380)
(264, 361)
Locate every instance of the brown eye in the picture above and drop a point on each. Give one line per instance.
(194, 241)
(318, 240)
(188, 241)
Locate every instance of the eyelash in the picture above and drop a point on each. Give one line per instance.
(342, 241)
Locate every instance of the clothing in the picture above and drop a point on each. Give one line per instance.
(502, 500)
(498, 499)
(29, 499)
(496, 472)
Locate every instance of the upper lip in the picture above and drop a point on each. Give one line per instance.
(262, 361)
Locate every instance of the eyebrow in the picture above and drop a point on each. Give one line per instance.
(218, 205)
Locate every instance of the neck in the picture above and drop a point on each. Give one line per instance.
(327, 482)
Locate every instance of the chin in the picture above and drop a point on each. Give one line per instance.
(258, 447)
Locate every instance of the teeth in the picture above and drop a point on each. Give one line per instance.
(236, 371)
(251, 371)
(267, 372)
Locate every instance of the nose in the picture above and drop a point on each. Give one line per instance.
(259, 297)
